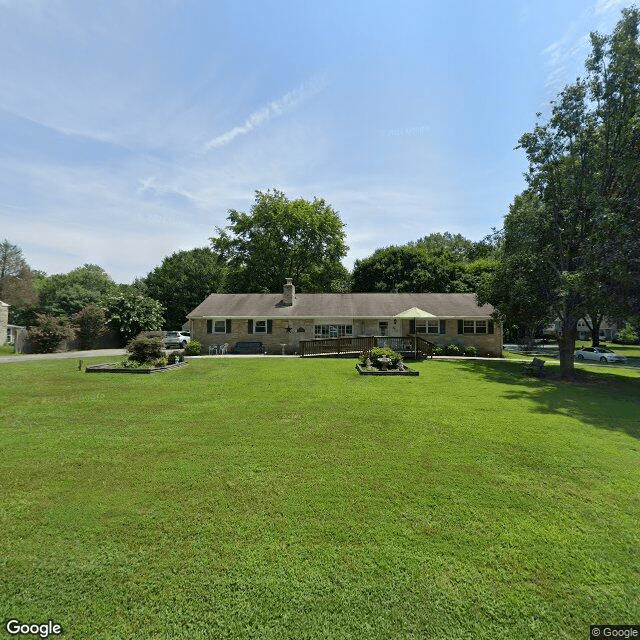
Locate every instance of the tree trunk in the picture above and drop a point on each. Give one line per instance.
(594, 324)
(567, 346)
(595, 332)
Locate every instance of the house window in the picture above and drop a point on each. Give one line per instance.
(333, 330)
(475, 326)
(383, 328)
(259, 326)
(217, 326)
(427, 326)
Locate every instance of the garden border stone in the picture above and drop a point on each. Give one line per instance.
(113, 367)
(363, 371)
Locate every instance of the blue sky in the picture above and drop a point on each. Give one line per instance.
(129, 128)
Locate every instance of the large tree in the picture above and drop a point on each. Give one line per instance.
(183, 281)
(282, 238)
(437, 263)
(66, 294)
(16, 280)
(455, 244)
(128, 312)
(409, 268)
(572, 236)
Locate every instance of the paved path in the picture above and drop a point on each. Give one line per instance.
(95, 353)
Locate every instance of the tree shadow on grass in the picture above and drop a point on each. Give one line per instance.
(609, 400)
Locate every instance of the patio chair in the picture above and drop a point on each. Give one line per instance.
(223, 348)
(213, 348)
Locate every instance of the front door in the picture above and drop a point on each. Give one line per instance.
(390, 328)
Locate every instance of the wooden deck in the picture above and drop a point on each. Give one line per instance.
(408, 346)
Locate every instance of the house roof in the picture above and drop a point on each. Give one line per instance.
(339, 305)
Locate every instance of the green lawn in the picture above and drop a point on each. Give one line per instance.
(7, 350)
(265, 498)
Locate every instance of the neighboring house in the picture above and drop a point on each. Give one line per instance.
(608, 329)
(281, 321)
(13, 331)
(4, 321)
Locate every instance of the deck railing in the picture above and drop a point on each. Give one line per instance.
(357, 344)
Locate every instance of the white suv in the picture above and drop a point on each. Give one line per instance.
(176, 339)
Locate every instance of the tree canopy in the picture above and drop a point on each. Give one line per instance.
(183, 281)
(571, 237)
(282, 238)
(437, 263)
(16, 279)
(129, 312)
(66, 294)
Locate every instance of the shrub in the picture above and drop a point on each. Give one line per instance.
(127, 363)
(174, 357)
(438, 350)
(452, 349)
(381, 352)
(145, 349)
(91, 323)
(48, 333)
(193, 348)
(470, 350)
(627, 335)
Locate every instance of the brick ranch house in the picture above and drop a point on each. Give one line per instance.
(281, 321)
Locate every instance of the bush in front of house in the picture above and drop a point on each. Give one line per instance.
(470, 350)
(145, 350)
(48, 333)
(452, 349)
(438, 350)
(193, 348)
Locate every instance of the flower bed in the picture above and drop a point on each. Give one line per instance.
(382, 361)
(363, 370)
(114, 367)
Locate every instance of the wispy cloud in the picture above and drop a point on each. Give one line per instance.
(605, 6)
(287, 103)
(566, 55)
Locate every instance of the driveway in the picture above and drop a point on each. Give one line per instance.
(95, 353)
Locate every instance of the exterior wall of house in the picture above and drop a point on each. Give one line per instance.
(239, 332)
(304, 329)
(4, 322)
(485, 343)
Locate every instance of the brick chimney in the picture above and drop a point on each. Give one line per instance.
(289, 293)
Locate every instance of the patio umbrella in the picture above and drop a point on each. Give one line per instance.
(413, 314)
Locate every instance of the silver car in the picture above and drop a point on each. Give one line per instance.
(599, 353)
(176, 339)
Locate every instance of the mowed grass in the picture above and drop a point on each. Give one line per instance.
(265, 498)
